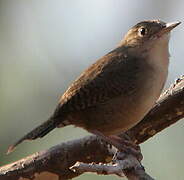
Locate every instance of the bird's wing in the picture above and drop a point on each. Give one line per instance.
(109, 77)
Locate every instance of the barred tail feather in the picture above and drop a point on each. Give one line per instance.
(38, 132)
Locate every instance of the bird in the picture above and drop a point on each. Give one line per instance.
(119, 89)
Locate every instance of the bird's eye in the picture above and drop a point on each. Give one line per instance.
(142, 31)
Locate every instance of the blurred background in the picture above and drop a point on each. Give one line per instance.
(45, 44)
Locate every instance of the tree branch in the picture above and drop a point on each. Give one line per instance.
(125, 164)
(55, 163)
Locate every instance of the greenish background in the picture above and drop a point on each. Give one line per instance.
(45, 44)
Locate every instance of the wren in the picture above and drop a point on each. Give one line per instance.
(119, 89)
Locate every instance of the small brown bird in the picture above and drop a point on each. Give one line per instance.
(119, 89)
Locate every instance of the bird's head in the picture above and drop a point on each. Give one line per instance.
(148, 33)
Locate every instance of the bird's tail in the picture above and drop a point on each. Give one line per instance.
(38, 132)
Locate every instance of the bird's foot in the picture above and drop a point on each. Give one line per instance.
(122, 144)
(127, 146)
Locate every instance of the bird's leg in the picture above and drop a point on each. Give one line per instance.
(127, 145)
(122, 144)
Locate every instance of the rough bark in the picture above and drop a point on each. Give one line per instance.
(55, 163)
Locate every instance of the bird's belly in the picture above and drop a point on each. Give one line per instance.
(119, 117)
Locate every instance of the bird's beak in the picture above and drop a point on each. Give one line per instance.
(172, 25)
(168, 27)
